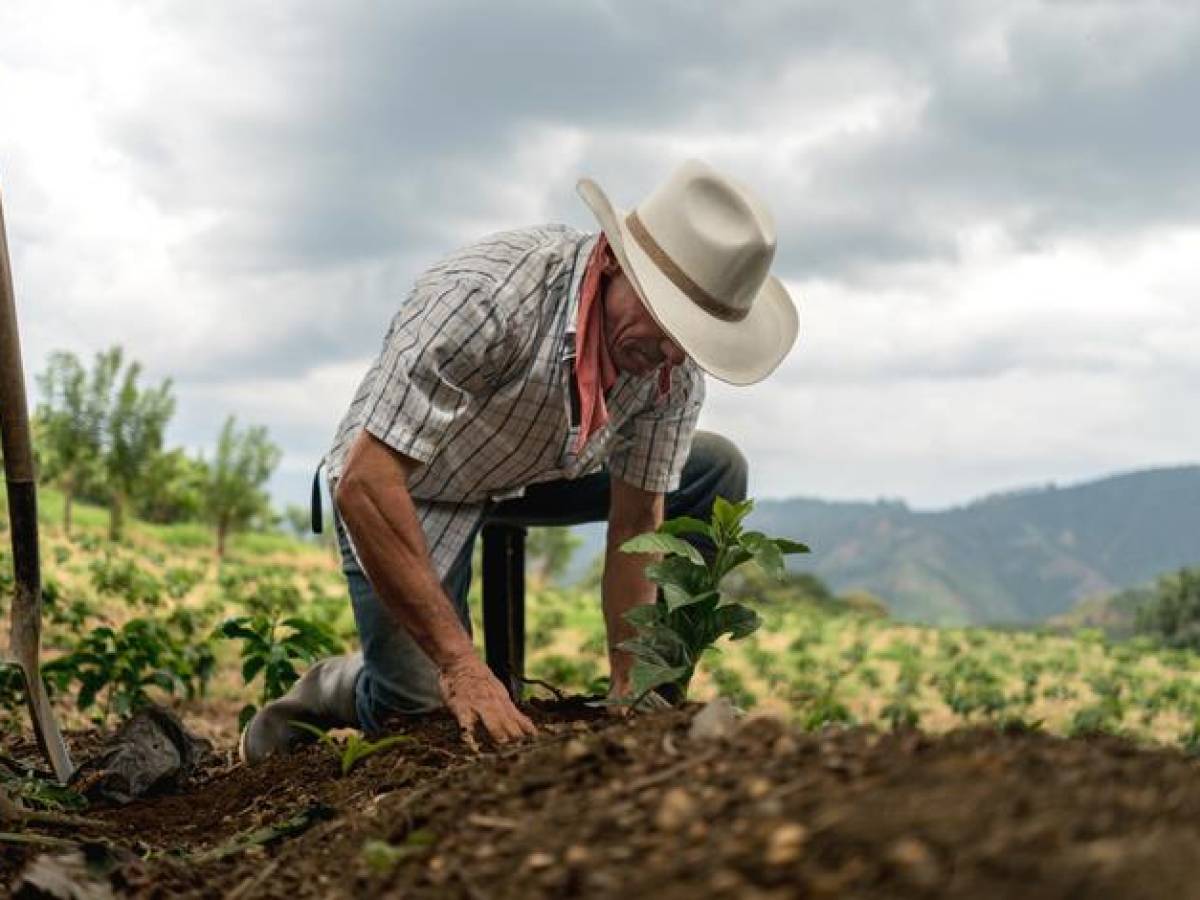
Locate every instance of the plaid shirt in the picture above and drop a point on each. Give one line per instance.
(476, 381)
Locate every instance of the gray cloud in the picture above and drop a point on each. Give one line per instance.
(315, 157)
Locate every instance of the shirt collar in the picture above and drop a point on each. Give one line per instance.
(582, 252)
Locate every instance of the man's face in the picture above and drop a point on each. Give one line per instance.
(636, 343)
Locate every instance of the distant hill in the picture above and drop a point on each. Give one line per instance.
(1017, 557)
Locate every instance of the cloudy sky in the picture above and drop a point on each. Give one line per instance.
(990, 212)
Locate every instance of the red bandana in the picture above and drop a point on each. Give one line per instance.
(595, 373)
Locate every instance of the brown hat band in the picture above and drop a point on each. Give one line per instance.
(678, 277)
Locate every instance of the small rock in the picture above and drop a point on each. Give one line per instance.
(915, 862)
(677, 810)
(576, 750)
(758, 787)
(539, 860)
(716, 720)
(697, 830)
(725, 881)
(577, 856)
(769, 808)
(785, 745)
(785, 844)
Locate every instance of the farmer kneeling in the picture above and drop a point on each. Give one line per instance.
(540, 377)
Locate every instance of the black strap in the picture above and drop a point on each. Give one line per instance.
(318, 515)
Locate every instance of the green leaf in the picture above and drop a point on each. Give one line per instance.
(663, 543)
(679, 572)
(162, 680)
(766, 553)
(358, 748)
(787, 547)
(645, 676)
(678, 598)
(251, 667)
(738, 620)
(685, 525)
(728, 516)
(646, 615)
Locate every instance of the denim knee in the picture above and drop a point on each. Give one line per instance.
(725, 461)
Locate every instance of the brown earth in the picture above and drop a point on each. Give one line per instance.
(600, 808)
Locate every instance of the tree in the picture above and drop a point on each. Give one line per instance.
(548, 553)
(233, 493)
(70, 421)
(134, 437)
(171, 488)
(1173, 615)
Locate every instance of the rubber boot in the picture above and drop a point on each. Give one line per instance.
(324, 697)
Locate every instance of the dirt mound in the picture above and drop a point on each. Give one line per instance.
(598, 808)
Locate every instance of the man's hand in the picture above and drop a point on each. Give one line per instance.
(474, 695)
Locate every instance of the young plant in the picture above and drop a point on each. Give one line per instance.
(114, 667)
(689, 615)
(355, 749)
(271, 645)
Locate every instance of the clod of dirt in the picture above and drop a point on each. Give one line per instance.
(677, 810)
(915, 862)
(785, 844)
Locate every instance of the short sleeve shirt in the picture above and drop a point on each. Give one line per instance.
(474, 381)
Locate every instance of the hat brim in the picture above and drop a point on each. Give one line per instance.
(739, 353)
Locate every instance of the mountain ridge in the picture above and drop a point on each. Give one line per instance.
(1014, 557)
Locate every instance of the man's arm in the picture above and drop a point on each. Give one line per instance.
(373, 500)
(632, 511)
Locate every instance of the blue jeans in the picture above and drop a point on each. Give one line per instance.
(398, 677)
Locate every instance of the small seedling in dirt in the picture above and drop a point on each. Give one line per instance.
(356, 748)
(689, 615)
(381, 857)
(40, 793)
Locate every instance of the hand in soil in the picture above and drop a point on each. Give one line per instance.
(475, 696)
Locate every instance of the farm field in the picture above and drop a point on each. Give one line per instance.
(879, 759)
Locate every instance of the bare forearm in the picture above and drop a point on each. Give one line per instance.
(391, 545)
(623, 587)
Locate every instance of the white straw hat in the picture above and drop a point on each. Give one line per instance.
(698, 251)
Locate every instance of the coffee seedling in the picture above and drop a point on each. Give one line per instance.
(689, 615)
(356, 748)
(271, 646)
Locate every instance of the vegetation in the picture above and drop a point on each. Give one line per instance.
(354, 748)
(818, 658)
(70, 423)
(100, 437)
(149, 617)
(233, 488)
(1172, 612)
(689, 616)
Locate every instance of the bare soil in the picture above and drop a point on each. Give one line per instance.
(598, 807)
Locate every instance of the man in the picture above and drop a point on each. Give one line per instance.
(539, 377)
